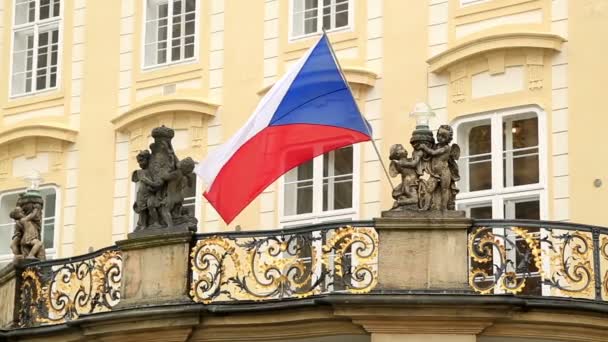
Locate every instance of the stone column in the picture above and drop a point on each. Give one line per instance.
(155, 268)
(422, 250)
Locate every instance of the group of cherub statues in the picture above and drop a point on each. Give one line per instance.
(429, 176)
(428, 182)
(27, 242)
(161, 181)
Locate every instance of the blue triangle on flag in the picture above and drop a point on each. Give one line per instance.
(320, 95)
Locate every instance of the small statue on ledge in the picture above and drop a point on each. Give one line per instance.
(162, 179)
(27, 238)
(428, 179)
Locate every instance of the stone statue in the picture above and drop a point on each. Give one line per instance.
(405, 193)
(428, 178)
(27, 238)
(162, 179)
(440, 189)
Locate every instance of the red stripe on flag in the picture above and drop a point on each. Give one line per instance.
(267, 156)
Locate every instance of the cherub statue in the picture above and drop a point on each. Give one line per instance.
(177, 181)
(406, 192)
(27, 228)
(147, 202)
(443, 171)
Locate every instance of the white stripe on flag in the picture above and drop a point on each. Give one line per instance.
(216, 159)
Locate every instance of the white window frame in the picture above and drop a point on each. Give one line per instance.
(35, 28)
(318, 215)
(499, 194)
(169, 63)
(51, 253)
(349, 27)
(198, 203)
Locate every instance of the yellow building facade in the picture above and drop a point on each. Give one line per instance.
(85, 82)
(480, 65)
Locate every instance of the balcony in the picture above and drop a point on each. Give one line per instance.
(484, 278)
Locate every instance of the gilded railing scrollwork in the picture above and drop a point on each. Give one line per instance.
(538, 259)
(54, 292)
(284, 265)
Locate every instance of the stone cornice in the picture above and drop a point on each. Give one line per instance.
(355, 76)
(54, 131)
(164, 104)
(482, 44)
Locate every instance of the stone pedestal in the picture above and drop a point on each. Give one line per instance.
(422, 250)
(8, 292)
(155, 268)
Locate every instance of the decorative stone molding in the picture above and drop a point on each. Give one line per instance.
(467, 49)
(53, 131)
(359, 79)
(535, 63)
(162, 105)
(458, 81)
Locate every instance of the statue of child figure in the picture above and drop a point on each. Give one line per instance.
(146, 201)
(177, 181)
(27, 227)
(406, 192)
(444, 170)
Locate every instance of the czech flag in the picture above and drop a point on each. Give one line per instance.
(308, 112)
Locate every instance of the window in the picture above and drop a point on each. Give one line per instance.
(49, 222)
(35, 58)
(321, 189)
(312, 16)
(502, 166)
(170, 31)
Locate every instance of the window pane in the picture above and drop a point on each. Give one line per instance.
(337, 193)
(480, 140)
(45, 9)
(298, 190)
(24, 11)
(520, 146)
(298, 198)
(337, 179)
(524, 133)
(476, 163)
(529, 210)
(341, 19)
(480, 175)
(481, 212)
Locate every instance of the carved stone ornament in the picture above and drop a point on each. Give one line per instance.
(161, 181)
(27, 243)
(428, 176)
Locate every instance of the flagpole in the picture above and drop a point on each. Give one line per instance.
(331, 49)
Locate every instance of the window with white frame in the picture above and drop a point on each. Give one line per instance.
(502, 171)
(502, 165)
(322, 189)
(312, 16)
(8, 201)
(170, 31)
(36, 35)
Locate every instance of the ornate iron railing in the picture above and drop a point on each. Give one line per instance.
(57, 291)
(280, 264)
(539, 258)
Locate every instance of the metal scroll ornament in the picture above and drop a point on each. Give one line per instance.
(256, 268)
(505, 260)
(53, 294)
(496, 257)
